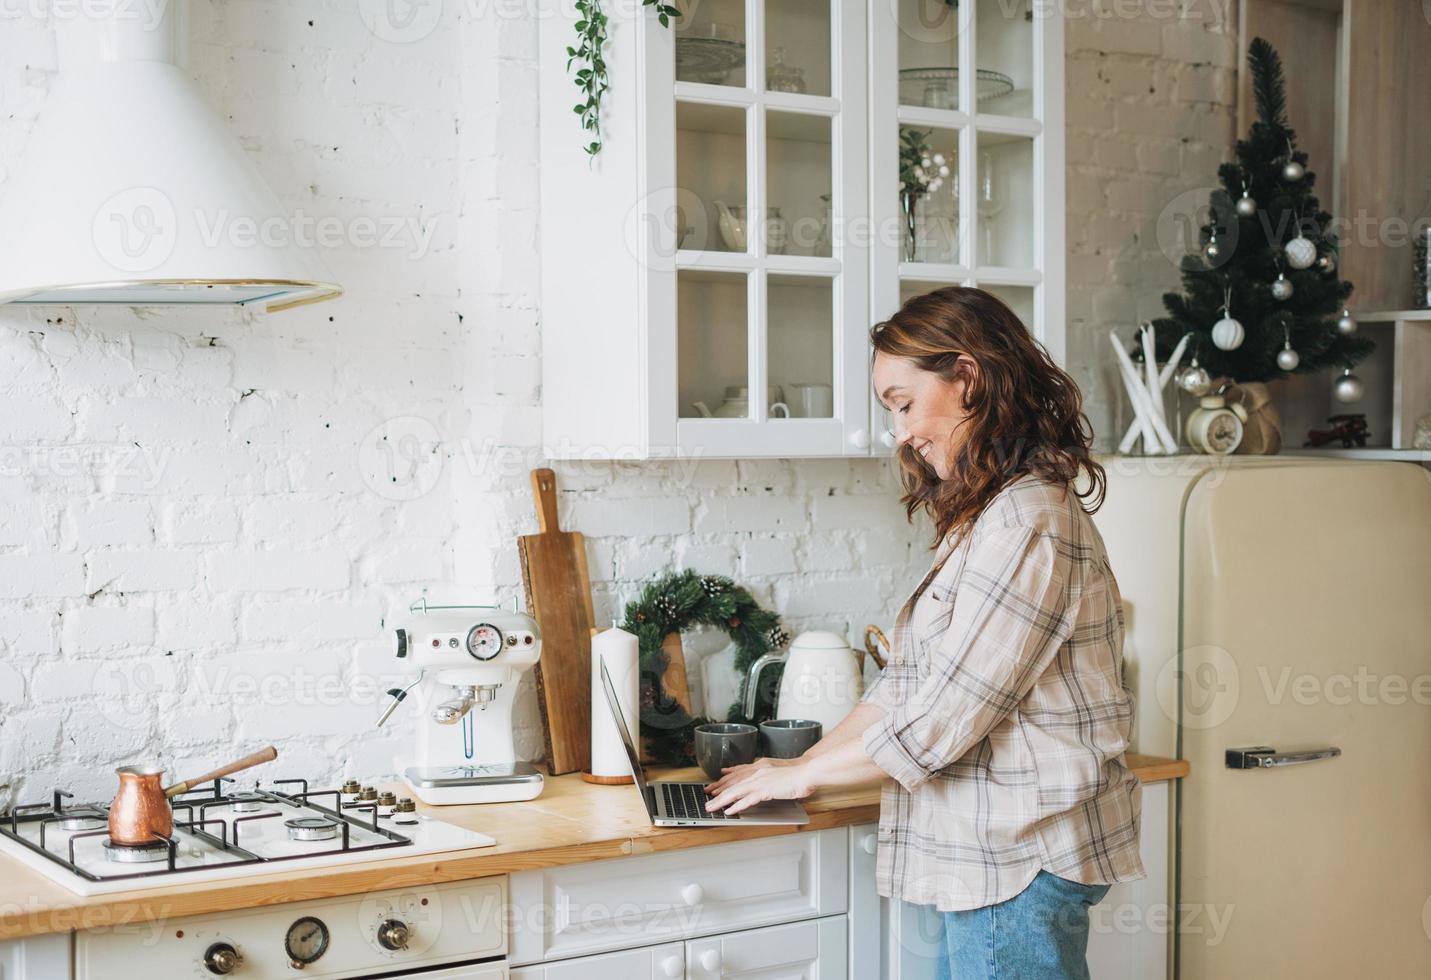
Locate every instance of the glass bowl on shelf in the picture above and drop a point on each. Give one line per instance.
(938, 88)
(709, 53)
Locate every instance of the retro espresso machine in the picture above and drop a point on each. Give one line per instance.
(469, 660)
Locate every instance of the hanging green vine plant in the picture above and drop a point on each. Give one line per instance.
(591, 76)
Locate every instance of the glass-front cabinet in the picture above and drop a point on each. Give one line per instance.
(775, 176)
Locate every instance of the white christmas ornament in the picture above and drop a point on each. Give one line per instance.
(1227, 333)
(1282, 287)
(1293, 171)
(1246, 206)
(1194, 379)
(1345, 323)
(1287, 358)
(1301, 253)
(1348, 387)
(1327, 264)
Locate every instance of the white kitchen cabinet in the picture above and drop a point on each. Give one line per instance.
(892, 940)
(659, 305)
(813, 950)
(580, 909)
(1129, 930)
(664, 962)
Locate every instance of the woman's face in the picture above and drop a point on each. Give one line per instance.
(928, 411)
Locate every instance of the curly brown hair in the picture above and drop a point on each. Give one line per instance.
(1025, 412)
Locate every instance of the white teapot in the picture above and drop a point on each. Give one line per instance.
(823, 679)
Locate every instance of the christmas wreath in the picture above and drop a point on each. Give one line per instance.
(677, 602)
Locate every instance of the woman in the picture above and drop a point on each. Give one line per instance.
(1000, 722)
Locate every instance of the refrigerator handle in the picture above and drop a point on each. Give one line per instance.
(1266, 757)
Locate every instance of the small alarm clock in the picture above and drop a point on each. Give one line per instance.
(1214, 426)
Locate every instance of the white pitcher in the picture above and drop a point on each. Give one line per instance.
(823, 679)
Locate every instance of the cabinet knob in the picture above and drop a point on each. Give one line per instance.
(860, 439)
(672, 966)
(869, 843)
(710, 961)
(692, 894)
(887, 439)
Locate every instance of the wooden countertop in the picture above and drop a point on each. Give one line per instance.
(570, 823)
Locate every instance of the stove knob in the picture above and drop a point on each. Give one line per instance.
(368, 795)
(393, 934)
(386, 799)
(351, 788)
(221, 959)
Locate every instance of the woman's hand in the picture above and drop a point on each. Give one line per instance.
(740, 787)
(731, 771)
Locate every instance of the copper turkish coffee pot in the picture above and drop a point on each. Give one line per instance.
(140, 813)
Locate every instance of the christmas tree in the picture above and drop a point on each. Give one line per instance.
(1264, 283)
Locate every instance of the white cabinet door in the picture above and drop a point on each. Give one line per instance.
(889, 939)
(37, 958)
(705, 280)
(1128, 931)
(996, 220)
(799, 951)
(580, 909)
(664, 962)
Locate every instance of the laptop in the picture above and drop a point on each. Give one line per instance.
(671, 804)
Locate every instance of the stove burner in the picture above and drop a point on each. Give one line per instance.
(135, 853)
(245, 802)
(311, 828)
(81, 821)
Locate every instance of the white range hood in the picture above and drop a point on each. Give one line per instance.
(132, 191)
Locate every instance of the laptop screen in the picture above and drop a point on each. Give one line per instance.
(616, 716)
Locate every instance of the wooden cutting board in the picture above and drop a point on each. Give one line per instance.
(559, 597)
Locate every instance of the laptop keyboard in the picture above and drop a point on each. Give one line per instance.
(687, 801)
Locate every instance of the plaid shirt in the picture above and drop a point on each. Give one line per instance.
(1005, 714)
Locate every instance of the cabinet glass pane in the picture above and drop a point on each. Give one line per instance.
(908, 289)
(1020, 299)
(712, 344)
(710, 42)
(797, 46)
(928, 53)
(800, 332)
(710, 177)
(798, 183)
(928, 193)
(1004, 199)
(1003, 35)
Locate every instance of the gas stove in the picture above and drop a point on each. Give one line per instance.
(223, 835)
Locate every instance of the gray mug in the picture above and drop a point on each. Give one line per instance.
(720, 745)
(788, 738)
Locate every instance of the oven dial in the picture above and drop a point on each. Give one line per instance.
(393, 934)
(221, 958)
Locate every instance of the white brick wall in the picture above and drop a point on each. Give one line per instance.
(198, 551)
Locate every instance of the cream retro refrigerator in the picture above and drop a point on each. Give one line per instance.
(1280, 640)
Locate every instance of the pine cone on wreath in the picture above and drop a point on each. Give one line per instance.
(712, 586)
(776, 637)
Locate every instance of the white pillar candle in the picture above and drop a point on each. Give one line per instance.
(621, 653)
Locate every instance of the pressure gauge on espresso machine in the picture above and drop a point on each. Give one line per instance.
(484, 641)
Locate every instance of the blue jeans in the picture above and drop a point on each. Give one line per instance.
(1039, 934)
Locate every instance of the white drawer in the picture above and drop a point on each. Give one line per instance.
(665, 962)
(799, 951)
(627, 902)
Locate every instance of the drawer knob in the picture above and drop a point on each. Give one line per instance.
(692, 894)
(710, 961)
(671, 966)
(869, 843)
(860, 439)
(887, 439)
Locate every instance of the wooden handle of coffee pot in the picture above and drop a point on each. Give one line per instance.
(247, 762)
